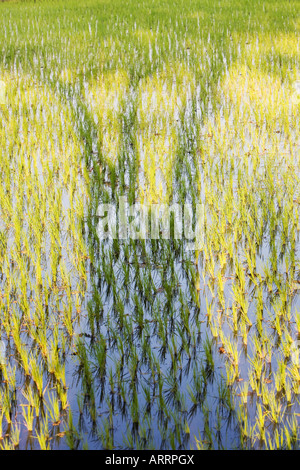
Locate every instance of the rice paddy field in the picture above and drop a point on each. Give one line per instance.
(140, 342)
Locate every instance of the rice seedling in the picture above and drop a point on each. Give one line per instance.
(54, 410)
(43, 434)
(15, 435)
(28, 415)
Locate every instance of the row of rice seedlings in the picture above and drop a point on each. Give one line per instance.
(38, 229)
(162, 102)
(281, 314)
